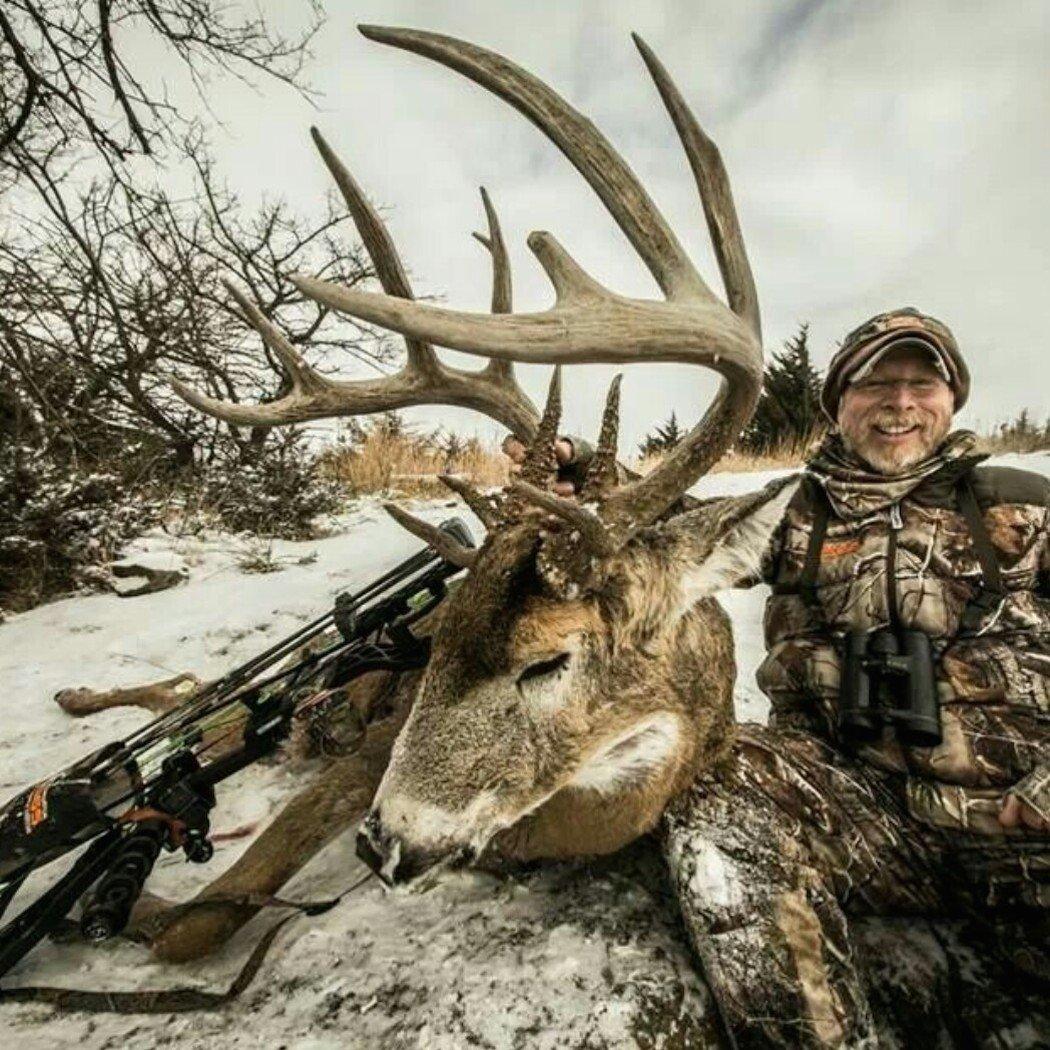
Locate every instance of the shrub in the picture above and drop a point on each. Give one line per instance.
(59, 525)
(1021, 434)
(662, 439)
(788, 415)
(278, 494)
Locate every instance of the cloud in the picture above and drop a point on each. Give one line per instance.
(881, 154)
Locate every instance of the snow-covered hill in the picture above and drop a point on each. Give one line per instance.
(384, 969)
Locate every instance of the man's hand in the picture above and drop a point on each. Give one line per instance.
(563, 453)
(515, 450)
(1017, 813)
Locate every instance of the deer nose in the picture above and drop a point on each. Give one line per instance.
(368, 853)
(374, 847)
(385, 853)
(394, 860)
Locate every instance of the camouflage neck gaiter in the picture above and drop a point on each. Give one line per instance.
(855, 489)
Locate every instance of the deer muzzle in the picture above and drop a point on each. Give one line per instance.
(394, 860)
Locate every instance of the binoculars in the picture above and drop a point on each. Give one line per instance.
(887, 676)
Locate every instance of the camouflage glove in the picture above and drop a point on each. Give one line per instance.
(1034, 789)
(582, 451)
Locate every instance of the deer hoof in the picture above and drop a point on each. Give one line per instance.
(78, 702)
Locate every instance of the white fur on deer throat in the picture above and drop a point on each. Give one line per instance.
(738, 554)
(623, 761)
(629, 757)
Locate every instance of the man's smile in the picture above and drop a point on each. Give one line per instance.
(895, 431)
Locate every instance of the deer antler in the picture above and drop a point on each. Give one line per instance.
(424, 380)
(589, 323)
(449, 548)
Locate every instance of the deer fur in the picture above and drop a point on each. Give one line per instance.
(674, 677)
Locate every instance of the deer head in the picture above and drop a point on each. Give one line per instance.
(580, 674)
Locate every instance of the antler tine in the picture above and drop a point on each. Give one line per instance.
(601, 474)
(501, 280)
(423, 381)
(588, 524)
(378, 243)
(581, 142)
(644, 500)
(481, 505)
(502, 287)
(540, 460)
(445, 545)
(716, 196)
(306, 383)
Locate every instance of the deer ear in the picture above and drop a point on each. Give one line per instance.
(734, 539)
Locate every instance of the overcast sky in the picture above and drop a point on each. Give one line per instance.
(881, 154)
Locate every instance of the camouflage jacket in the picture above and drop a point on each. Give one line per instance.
(900, 549)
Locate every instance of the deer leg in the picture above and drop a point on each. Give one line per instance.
(156, 697)
(312, 819)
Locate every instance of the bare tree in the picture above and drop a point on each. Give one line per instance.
(107, 299)
(70, 86)
(111, 286)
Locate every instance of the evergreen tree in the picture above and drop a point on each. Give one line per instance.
(788, 412)
(664, 438)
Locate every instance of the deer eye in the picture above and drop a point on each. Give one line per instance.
(543, 668)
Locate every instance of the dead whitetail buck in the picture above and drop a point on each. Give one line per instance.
(581, 675)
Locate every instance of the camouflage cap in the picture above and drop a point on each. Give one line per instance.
(865, 345)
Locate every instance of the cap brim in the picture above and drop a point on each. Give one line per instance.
(901, 342)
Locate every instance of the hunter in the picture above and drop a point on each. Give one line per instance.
(912, 775)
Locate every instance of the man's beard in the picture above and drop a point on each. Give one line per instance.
(891, 459)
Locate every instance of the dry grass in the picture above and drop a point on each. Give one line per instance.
(1003, 439)
(1003, 442)
(409, 466)
(784, 457)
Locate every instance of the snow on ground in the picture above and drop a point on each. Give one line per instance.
(219, 618)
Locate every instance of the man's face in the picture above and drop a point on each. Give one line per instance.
(898, 413)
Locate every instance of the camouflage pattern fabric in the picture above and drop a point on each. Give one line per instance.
(992, 675)
(772, 851)
(862, 347)
(576, 469)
